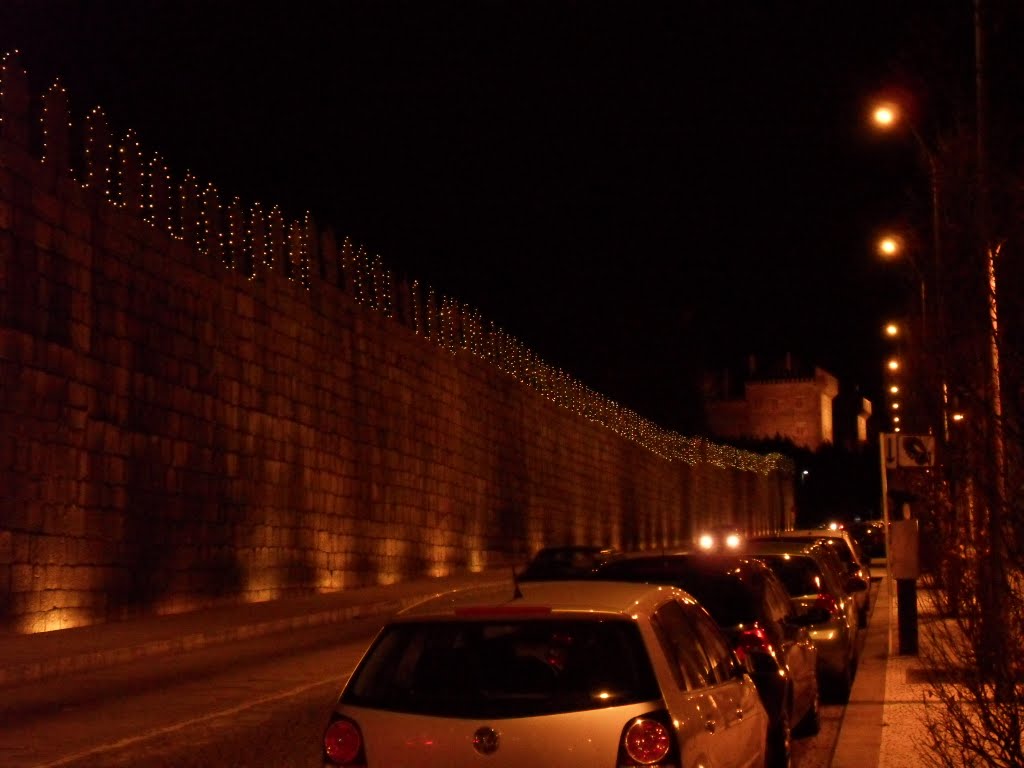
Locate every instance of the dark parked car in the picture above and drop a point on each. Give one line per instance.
(870, 537)
(574, 561)
(813, 577)
(751, 605)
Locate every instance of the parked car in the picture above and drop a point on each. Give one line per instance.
(813, 582)
(870, 537)
(854, 561)
(555, 674)
(573, 561)
(752, 607)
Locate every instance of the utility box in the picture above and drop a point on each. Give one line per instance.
(903, 549)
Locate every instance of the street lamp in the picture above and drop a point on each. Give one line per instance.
(891, 247)
(890, 115)
(884, 114)
(887, 116)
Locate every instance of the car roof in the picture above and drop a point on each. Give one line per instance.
(810, 533)
(596, 597)
(730, 585)
(697, 558)
(780, 546)
(840, 538)
(804, 533)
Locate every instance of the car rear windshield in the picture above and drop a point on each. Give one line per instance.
(842, 548)
(800, 575)
(719, 589)
(504, 668)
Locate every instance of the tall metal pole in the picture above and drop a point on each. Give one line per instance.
(991, 567)
(931, 314)
(885, 518)
(937, 336)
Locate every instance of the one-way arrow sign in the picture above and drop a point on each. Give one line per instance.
(909, 451)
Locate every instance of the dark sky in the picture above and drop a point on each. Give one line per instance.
(637, 190)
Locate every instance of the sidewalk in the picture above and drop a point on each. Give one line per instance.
(28, 658)
(883, 725)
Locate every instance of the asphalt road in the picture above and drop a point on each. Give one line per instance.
(259, 703)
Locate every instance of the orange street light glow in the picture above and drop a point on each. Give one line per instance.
(894, 365)
(884, 115)
(888, 245)
(892, 329)
(894, 389)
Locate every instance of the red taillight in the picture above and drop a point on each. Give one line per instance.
(828, 602)
(754, 639)
(647, 741)
(343, 743)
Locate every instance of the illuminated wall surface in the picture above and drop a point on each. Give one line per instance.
(206, 402)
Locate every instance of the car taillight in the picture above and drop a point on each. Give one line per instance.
(828, 602)
(649, 740)
(754, 639)
(343, 744)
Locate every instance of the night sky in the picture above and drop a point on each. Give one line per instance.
(637, 190)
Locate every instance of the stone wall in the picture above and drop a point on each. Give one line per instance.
(202, 403)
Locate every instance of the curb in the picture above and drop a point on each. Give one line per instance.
(68, 662)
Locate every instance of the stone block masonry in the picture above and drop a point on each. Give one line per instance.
(229, 407)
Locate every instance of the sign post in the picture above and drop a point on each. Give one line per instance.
(902, 537)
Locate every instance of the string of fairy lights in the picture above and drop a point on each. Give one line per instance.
(259, 241)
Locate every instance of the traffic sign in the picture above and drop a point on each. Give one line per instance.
(909, 451)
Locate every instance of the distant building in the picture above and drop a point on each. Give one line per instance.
(861, 420)
(781, 400)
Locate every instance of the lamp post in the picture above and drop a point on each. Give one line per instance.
(894, 389)
(887, 116)
(891, 246)
(890, 116)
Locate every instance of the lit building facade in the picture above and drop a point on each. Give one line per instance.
(785, 401)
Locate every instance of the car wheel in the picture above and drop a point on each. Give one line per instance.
(810, 724)
(780, 742)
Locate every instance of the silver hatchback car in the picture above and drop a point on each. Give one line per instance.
(555, 674)
(814, 578)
